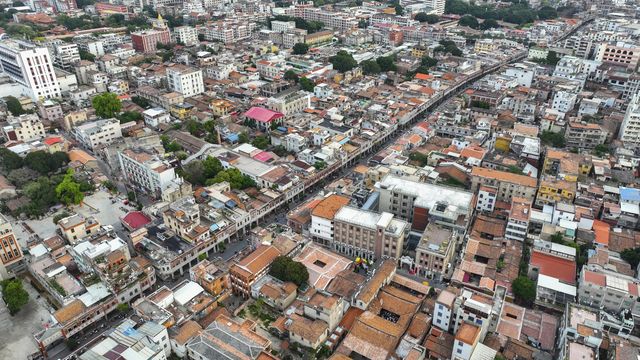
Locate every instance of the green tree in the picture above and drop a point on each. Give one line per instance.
(286, 269)
(552, 138)
(235, 179)
(557, 238)
(362, 24)
(319, 165)
(44, 162)
(489, 24)
(386, 63)
(85, 55)
(14, 295)
(194, 173)
(343, 61)
(428, 18)
(261, 142)
(9, 160)
(524, 290)
(211, 166)
(14, 106)
(306, 84)
(291, 75)
(469, 21)
(547, 12)
(140, 101)
(68, 191)
(632, 256)
(300, 48)
(106, 105)
(122, 307)
(399, 9)
(601, 150)
(428, 61)
(129, 116)
(370, 67)
(202, 256)
(552, 58)
(243, 138)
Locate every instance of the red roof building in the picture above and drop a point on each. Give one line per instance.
(134, 220)
(263, 115)
(562, 269)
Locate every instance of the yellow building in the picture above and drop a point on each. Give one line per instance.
(221, 107)
(319, 37)
(485, 45)
(503, 142)
(181, 111)
(552, 191)
(419, 51)
(565, 165)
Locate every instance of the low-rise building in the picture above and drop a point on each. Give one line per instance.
(225, 338)
(435, 251)
(368, 235)
(23, 128)
(98, 133)
(76, 227)
(10, 253)
(249, 269)
(582, 135)
(508, 185)
(146, 170)
(322, 216)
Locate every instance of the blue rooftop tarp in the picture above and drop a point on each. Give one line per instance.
(629, 194)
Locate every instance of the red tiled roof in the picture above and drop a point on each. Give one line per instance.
(263, 156)
(553, 266)
(601, 229)
(262, 115)
(136, 219)
(595, 278)
(52, 140)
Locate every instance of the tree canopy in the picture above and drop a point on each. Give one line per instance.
(343, 61)
(552, 138)
(286, 269)
(470, 21)
(370, 67)
(14, 295)
(9, 160)
(518, 13)
(44, 162)
(107, 105)
(428, 18)
(300, 48)
(524, 290)
(14, 106)
(632, 256)
(306, 84)
(68, 191)
(386, 63)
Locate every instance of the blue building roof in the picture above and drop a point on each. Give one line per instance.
(371, 202)
(629, 194)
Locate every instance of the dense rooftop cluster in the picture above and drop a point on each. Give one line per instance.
(332, 180)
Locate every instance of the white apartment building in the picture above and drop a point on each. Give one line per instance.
(290, 102)
(155, 116)
(187, 35)
(524, 73)
(443, 310)
(322, 217)
(31, 67)
(23, 128)
(98, 133)
(64, 55)
(518, 222)
(229, 31)
(367, 234)
(564, 101)
(437, 6)
(630, 128)
(282, 26)
(608, 290)
(185, 80)
(146, 170)
(95, 47)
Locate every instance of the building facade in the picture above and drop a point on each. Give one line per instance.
(31, 67)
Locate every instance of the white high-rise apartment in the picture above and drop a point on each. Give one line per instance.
(30, 66)
(187, 35)
(630, 128)
(437, 6)
(185, 80)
